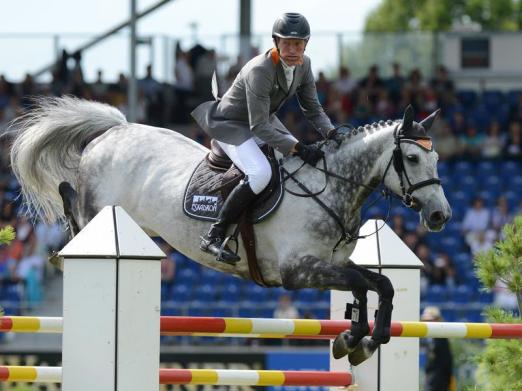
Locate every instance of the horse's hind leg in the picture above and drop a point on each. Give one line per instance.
(311, 272)
(70, 200)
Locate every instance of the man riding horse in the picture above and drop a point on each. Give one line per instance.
(244, 119)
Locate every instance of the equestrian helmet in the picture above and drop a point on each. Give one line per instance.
(291, 25)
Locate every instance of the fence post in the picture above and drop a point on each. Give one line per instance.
(111, 306)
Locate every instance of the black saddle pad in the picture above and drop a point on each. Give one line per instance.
(209, 186)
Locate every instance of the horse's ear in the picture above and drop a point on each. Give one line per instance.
(428, 121)
(407, 120)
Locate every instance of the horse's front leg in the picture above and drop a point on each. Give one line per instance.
(382, 326)
(312, 272)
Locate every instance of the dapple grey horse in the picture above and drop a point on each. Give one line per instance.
(107, 161)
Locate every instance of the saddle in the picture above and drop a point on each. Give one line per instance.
(210, 184)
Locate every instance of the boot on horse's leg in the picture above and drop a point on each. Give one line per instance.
(381, 334)
(347, 341)
(214, 241)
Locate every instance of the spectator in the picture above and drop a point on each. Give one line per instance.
(446, 144)
(416, 88)
(514, 143)
(515, 111)
(439, 359)
(152, 97)
(323, 88)
(443, 86)
(494, 143)
(481, 242)
(476, 220)
(285, 308)
(183, 88)
(168, 264)
(399, 226)
(345, 85)
(395, 83)
(372, 84)
(442, 271)
(504, 298)
(472, 142)
(99, 87)
(500, 215)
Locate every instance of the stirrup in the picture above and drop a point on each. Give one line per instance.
(223, 248)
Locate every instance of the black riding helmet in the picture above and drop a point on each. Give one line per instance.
(291, 25)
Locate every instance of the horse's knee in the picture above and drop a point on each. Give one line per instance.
(385, 288)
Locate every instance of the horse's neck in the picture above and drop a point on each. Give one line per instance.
(360, 160)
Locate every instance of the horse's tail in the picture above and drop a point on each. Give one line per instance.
(47, 147)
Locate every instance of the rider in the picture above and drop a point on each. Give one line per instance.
(244, 118)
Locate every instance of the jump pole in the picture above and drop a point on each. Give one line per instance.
(111, 278)
(200, 326)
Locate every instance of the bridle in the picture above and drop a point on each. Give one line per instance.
(398, 164)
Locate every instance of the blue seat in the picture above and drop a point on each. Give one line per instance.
(493, 99)
(493, 183)
(511, 167)
(209, 276)
(489, 197)
(308, 295)
(187, 275)
(467, 183)
(485, 297)
(436, 294)
(467, 98)
(205, 293)
(462, 168)
(254, 293)
(229, 293)
(461, 294)
(481, 116)
(180, 293)
(512, 96)
(451, 245)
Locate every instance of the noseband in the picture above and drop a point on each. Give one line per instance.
(398, 164)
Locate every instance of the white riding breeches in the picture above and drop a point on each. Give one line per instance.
(249, 158)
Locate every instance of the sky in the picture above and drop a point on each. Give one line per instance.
(27, 28)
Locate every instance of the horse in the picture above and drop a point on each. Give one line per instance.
(104, 160)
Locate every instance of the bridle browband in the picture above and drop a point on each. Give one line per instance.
(398, 164)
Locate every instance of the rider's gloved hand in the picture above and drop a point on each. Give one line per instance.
(309, 153)
(334, 135)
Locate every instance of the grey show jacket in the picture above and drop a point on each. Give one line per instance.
(248, 107)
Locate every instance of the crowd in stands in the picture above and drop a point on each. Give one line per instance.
(478, 139)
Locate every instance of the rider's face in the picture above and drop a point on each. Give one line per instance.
(291, 50)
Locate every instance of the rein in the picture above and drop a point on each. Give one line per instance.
(397, 159)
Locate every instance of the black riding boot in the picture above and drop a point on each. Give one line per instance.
(233, 207)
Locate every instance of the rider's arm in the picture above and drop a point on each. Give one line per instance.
(309, 102)
(258, 84)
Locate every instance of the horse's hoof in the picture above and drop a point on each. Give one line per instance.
(344, 344)
(56, 261)
(340, 345)
(363, 351)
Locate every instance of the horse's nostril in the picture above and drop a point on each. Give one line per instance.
(437, 217)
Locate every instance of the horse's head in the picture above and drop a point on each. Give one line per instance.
(412, 171)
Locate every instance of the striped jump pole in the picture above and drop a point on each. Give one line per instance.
(198, 377)
(282, 328)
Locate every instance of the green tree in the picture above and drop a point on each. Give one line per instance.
(500, 364)
(440, 15)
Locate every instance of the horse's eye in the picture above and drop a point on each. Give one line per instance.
(413, 158)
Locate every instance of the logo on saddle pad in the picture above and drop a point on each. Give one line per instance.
(202, 203)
